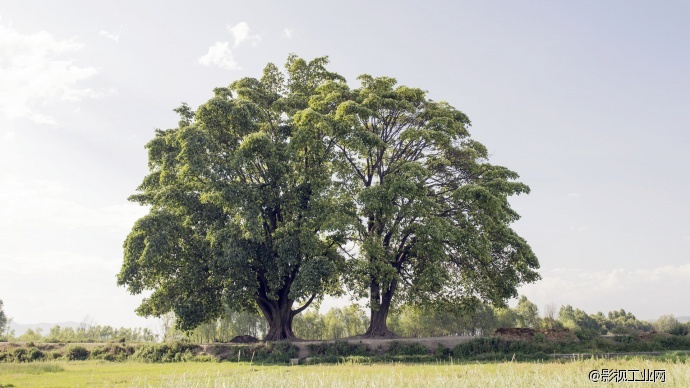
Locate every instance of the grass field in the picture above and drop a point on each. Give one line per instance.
(212, 374)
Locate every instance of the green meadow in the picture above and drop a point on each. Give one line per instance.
(225, 374)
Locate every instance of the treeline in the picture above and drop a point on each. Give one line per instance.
(86, 333)
(224, 329)
(406, 321)
(417, 322)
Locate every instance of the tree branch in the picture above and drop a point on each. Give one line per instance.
(306, 304)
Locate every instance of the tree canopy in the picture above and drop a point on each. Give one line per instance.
(258, 197)
(433, 218)
(242, 206)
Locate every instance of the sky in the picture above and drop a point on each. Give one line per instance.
(588, 101)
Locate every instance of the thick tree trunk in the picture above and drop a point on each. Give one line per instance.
(279, 315)
(377, 326)
(380, 306)
(280, 328)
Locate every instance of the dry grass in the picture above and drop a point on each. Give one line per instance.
(192, 374)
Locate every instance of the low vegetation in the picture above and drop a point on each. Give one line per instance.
(516, 345)
(344, 374)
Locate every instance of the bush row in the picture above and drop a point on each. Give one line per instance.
(486, 348)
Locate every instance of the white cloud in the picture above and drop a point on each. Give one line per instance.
(26, 202)
(220, 55)
(574, 195)
(287, 33)
(49, 238)
(34, 73)
(80, 94)
(647, 292)
(579, 228)
(241, 34)
(8, 135)
(109, 35)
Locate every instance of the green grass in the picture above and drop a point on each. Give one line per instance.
(199, 374)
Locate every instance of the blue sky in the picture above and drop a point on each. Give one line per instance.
(586, 100)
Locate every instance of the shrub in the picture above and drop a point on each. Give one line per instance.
(273, 352)
(499, 348)
(441, 351)
(339, 349)
(411, 349)
(112, 352)
(672, 342)
(19, 355)
(679, 329)
(169, 352)
(76, 352)
(34, 354)
(603, 344)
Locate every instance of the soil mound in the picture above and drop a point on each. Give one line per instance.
(244, 339)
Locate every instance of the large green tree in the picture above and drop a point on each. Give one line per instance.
(243, 210)
(433, 218)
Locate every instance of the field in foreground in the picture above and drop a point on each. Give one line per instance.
(211, 374)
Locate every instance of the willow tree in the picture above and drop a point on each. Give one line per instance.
(433, 218)
(242, 207)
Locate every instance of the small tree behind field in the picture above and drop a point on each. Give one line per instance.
(669, 324)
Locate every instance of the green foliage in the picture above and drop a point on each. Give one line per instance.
(112, 352)
(243, 208)
(20, 355)
(76, 352)
(432, 214)
(91, 333)
(527, 313)
(254, 195)
(442, 352)
(311, 325)
(223, 329)
(492, 345)
(583, 325)
(673, 342)
(273, 352)
(679, 329)
(335, 324)
(396, 348)
(35, 354)
(669, 324)
(621, 322)
(339, 349)
(166, 352)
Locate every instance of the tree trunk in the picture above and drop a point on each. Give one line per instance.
(279, 317)
(377, 325)
(380, 306)
(280, 329)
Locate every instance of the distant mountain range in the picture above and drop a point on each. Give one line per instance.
(685, 318)
(21, 328)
